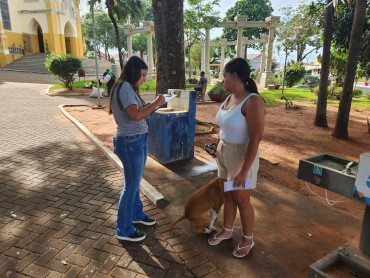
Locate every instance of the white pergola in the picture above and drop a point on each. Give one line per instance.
(148, 28)
(223, 42)
(240, 22)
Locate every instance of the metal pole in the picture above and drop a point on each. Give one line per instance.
(96, 58)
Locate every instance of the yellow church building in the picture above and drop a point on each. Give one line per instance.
(38, 26)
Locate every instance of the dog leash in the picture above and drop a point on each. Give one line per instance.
(210, 149)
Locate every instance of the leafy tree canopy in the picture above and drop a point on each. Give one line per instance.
(299, 29)
(104, 30)
(342, 29)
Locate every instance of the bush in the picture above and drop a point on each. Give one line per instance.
(311, 81)
(218, 89)
(192, 80)
(357, 93)
(64, 67)
(333, 92)
(294, 73)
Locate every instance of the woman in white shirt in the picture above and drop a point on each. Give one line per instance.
(241, 119)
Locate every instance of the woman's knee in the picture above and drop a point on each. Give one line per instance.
(241, 198)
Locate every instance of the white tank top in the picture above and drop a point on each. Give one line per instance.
(233, 124)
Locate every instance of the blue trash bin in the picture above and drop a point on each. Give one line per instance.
(172, 129)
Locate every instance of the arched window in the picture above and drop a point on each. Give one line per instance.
(5, 14)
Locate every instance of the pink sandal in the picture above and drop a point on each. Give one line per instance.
(222, 238)
(239, 248)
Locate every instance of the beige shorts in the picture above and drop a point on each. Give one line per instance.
(230, 158)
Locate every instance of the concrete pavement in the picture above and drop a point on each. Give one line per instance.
(59, 197)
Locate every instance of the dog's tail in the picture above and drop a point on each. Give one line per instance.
(177, 221)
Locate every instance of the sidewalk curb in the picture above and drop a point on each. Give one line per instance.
(47, 90)
(148, 190)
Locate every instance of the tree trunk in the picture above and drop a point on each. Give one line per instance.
(142, 54)
(189, 63)
(341, 125)
(110, 5)
(282, 89)
(322, 98)
(169, 37)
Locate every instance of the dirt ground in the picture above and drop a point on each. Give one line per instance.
(289, 136)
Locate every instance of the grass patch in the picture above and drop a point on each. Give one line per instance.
(360, 102)
(272, 98)
(77, 84)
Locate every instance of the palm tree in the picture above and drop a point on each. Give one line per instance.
(169, 47)
(320, 118)
(122, 9)
(341, 125)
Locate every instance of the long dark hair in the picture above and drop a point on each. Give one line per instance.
(242, 69)
(130, 73)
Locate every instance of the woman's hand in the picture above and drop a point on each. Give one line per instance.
(240, 178)
(159, 100)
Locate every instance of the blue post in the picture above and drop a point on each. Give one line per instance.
(171, 135)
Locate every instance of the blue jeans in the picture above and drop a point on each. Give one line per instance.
(132, 151)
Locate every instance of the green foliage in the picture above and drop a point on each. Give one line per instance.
(294, 73)
(199, 15)
(337, 66)
(256, 10)
(140, 43)
(299, 30)
(288, 102)
(148, 86)
(218, 89)
(278, 77)
(77, 84)
(333, 92)
(272, 98)
(192, 80)
(104, 30)
(64, 67)
(254, 74)
(196, 55)
(311, 81)
(357, 92)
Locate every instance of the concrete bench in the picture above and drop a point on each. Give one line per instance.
(200, 94)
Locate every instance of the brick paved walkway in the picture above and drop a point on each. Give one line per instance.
(59, 197)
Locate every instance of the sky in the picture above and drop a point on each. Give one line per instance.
(226, 4)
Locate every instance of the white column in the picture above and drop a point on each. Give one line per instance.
(270, 48)
(202, 56)
(223, 44)
(150, 57)
(207, 54)
(263, 62)
(239, 47)
(267, 77)
(127, 28)
(129, 45)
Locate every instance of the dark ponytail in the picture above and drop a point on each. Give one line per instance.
(242, 69)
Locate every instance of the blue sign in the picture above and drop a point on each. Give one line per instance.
(317, 170)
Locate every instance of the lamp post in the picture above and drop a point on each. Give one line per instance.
(96, 59)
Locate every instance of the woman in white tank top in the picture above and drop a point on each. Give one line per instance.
(241, 119)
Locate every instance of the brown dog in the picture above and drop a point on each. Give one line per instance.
(202, 207)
